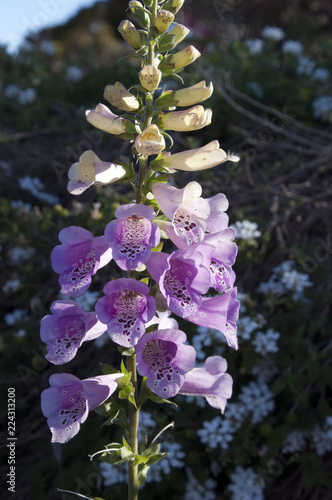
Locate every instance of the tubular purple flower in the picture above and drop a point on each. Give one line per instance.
(183, 276)
(78, 258)
(132, 235)
(210, 381)
(221, 313)
(164, 359)
(67, 402)
(125, 309)
(65, 330)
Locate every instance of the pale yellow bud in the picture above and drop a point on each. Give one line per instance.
(198, 159)
(180, 59)
(130, 34)
(163, 19)
(150, 141)
(118, 96)
(150, 77)
(102, 117)
(194, 118)
(174, 5)
(179, 31)
(185, 97)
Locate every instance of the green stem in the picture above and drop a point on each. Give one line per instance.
(133, 431)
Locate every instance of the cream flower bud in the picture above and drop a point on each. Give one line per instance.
(150, 77)
(174, 5)
(102, 117)
(163, 20)
(185, 97)
(89, 170)
(130, 34)
(194, 118)
(118, 96)
(179, 31)
(150, 141)
(198, 159)
(180, 59)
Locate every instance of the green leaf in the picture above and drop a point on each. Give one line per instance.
(126, 352)
(142, 474)
(146, 394)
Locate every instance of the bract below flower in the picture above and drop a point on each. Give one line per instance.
(190, 119)
(150, 141)
(89, 170)
(183, 276)
(221, 313)
(102, 117)
(78, 257)
(164, 359)
(132, 235)
(210, 381)
(67, 402)
(198, 159)
(125, 309)
(66, 329)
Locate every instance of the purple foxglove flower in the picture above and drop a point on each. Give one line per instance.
(183, 276)
(132, 235)
(125, 309)
(191, 215)
(163, 320)
(221, 313)
(164, 359)
(78, 257)
(67, 402)
(65, 330)
(210, 381)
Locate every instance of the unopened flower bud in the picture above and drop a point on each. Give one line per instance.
(194, 118)
(141, 14)
(163, 20)
(179, 31)
(130, 34)
(173, 5)
(118, 96)
(150, 141)
(185, 97)
(150, 77)
(103, 118)
(180, 59)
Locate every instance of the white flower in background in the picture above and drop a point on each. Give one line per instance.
(322, 437)
(322, 107)
(294, 443)
(305, 66)
(11, 285)
(35, 187)
(273, 33)
(246, 230)
(27, 96)
(286, 279)
(292, 47)
(74, 74)
(197, 491)
(146, 425)
(255, 88)
(246, 484)
(114, 474)
(205, 337)
(265, 371)
(12, 90)
(321, 75)
(174, 459)
(258, 399)
(47, 47)
(255, 46)
(246, 325)
(18, 255)
(21, 207)
(16, 316)
(217, 433)
(87, 301)
(265, 342)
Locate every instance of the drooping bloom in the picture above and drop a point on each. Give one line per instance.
(131, 35)
(102, 117)
(183, 276)
(65, 330)
(190, 214)
(125, 309)
(150, 77)
(67, 402)
(220, 313)
(187, 120)
(163, 20)
(164, 359)
(198, 159)
(210, 381)
(89, 170)
(78, 257)
(119, 96)
(150, 141)
(179, 60)
(132, 235)
(185, 97)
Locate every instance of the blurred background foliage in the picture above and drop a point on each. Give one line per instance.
(273, 106)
